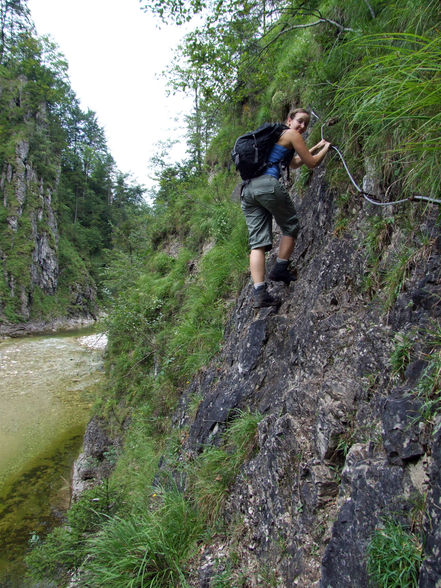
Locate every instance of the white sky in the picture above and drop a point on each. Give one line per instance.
(115, 53)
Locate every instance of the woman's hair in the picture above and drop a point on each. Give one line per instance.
(292, 114)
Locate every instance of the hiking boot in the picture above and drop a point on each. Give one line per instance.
(280, 273)
(262, 298)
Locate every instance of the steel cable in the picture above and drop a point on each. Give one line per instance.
(366, 195)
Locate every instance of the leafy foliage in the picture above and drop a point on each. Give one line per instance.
(14, 21)
(170, 321)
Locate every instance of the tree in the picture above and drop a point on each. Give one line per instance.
(220, 59)
(14, 20)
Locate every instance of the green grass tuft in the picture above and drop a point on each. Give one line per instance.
(394, 557)
(147, 548)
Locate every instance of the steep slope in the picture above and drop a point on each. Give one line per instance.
(307, 451)
(342, 443)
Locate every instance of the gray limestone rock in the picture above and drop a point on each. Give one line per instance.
(403, 429)
(96, 459)
(374, 489)
(339, 446)
(30, 204)
(430, 573)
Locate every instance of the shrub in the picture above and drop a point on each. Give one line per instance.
(61, 552)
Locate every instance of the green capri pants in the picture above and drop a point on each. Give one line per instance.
(262, 199)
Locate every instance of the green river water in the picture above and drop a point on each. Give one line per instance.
(47, 388)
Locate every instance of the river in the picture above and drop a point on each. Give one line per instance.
(47, 388)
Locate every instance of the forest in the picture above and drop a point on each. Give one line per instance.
(171, 274)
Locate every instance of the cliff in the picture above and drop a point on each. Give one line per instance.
(30, 210)
(343, 444)
(336, 471)
(31, 227)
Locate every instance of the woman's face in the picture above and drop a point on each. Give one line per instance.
(300, 122)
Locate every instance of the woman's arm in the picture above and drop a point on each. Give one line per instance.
(318, 146)
(311, 158)
(295, 162)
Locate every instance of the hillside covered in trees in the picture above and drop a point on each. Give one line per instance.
(298, 447)
(62, 197)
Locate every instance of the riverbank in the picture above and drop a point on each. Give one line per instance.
(45, 327)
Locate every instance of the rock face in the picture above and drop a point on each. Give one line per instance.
(342, 444)
(29, 236)
(96, 460)
(32, 229)
(430, 574)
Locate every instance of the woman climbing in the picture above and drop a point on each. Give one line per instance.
(264, 197)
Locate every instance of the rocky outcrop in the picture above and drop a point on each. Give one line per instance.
(44, 269)
(32, 230)
(430, 573)
(342, 444)
(29, 235)
(96, 460)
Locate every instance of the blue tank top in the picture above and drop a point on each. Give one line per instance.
(279, 154)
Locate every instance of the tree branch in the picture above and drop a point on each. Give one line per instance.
(305, 26)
